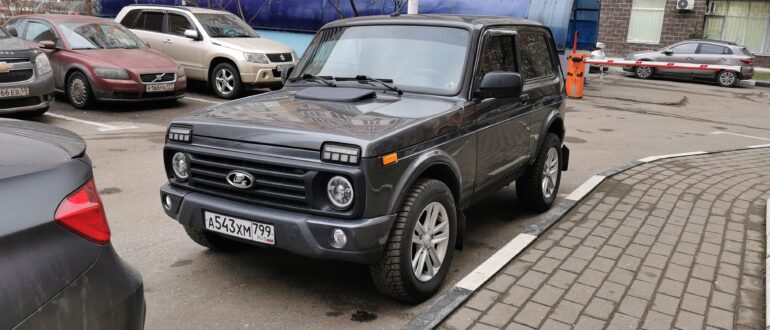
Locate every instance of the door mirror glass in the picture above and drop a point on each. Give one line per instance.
(286, 70)
(13, 32)
(47, 44)
(500, 85)
(192, 34)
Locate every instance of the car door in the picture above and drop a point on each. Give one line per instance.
(38, 31)
(502, 123)
(681, 53)
(185, 51)
(713, 54)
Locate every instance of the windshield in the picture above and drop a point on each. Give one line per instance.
(421, 58)
(225, 26)
(99, 36)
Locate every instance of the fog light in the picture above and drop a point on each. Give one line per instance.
(339, 239)
(167, 203)
(179, 165)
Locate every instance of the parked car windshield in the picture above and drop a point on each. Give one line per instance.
(418, 58)
(225, 26)
(99, 36)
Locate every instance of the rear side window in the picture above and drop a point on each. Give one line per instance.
(150, 21)
(536, 59)
(38, 32)
(177, 24)
(130, 18)
(746, 51)
(711, 49)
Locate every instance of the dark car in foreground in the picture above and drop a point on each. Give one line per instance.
(26, 77)
(95, 59)
(387, 129)
(712, 52)
(58, 269)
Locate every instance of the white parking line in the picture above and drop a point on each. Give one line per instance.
(101, 127)
(741, 135)
(202, 100)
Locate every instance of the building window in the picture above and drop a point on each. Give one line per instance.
(646, 21)
(744, 22)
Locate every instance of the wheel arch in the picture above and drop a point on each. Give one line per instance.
(554, 124)
(216, 61)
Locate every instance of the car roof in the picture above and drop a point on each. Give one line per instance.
(60, 18)
(194, 10)
(721, 42)
(465, 21)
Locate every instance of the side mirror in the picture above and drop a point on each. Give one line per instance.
(192, 34)
(13, 32)
(668, 52)
(286, 70)
(500, 85)
(47, 44)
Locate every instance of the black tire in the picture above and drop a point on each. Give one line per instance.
(392, 273)
(276, 87)
(79, 91)
(213, 241)
(727, 78)
(529, 187)
(644, 72)
(231, 86)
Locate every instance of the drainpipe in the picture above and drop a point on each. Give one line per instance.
(413, 5)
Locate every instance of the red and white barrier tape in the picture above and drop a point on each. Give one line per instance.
(666, 65)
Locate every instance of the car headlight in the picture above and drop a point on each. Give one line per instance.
(256, 58)
(180, 166)
(335, 153)
(180, 71)
(111, 73)
(42, 64)
(340, 192)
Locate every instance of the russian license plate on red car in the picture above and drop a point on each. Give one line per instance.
(14, 92)
(155, 88)
(245, 229)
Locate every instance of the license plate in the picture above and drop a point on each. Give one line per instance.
(14, 92)
(154, 88)
(250, 230)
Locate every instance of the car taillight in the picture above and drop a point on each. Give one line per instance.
(82, 213)
(748, 61)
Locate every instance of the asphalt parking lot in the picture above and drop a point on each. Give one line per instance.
(186, 286)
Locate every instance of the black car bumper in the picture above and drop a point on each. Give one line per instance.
(300, 233)
(109, 295)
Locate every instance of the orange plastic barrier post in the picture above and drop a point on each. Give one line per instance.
(576, 69)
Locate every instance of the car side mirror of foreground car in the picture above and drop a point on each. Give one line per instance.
(500, 85)
(668, 52)
(13, 32)
(47, 44)
(192, 34)
(286, 70)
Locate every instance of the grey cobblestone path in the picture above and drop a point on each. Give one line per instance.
(676, 243)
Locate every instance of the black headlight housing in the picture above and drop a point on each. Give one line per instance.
(181, 134)
(341, 153)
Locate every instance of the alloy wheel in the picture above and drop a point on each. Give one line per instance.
(225, 81)
(644, 72)
(727, 78)
(550, 173)
(430, 240)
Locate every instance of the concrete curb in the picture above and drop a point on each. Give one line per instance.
(448, 302)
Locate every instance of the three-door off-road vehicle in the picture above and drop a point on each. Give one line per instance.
(386, 130)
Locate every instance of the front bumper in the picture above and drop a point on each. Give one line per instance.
(109, 295)
(299, 233)
(110, 90)
(261, 74)
(41, 95)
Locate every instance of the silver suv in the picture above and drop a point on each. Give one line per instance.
(697, 52)
(212, 45)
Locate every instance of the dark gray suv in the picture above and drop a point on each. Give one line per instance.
(26, 77)
(387, 129)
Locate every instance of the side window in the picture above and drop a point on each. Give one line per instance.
(38, 32)
(177, 24)
(685, 48)
(497, 55)
(130, 19)
(536, 60)
(150, 21)
(712, 49)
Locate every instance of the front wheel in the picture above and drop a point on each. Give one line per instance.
(538, 187)
(420, 247)
(643, 72)
(79, 91)
(727, 78)
(226, 81)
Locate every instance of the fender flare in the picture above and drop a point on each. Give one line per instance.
(552, 118)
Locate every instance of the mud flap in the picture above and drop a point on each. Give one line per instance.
(460, 229)
(565, 157)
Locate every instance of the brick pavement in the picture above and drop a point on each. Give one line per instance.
(676, 243)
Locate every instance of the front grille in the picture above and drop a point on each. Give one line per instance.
(157, 77)
(19, 102)
(16, 76)
(274, 184)
(276, 58)
(14, 60)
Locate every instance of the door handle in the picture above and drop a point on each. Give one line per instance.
(524, 99)
(167, 41)
(690, 58)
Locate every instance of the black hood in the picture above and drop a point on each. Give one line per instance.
(379, 125)
(28, 146)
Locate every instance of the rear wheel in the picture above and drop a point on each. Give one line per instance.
(212, 240)
(727, 78)
(643, 72)
(420, 247)
(79, 91)
(226, 81)
(538, 187)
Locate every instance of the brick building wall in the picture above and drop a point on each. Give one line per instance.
(677, 26)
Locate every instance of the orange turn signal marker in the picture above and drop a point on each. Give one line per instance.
(389, 159)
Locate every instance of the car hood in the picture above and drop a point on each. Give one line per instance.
(131, 59)
(12, 44)
(378, 125)
(27, 147)
(255, 45)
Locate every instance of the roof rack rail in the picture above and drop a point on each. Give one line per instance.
(157, 5)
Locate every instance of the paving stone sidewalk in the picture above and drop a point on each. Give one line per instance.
(676, 243)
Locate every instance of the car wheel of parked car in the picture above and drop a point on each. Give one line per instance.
(420, 247)
(644, 72)
(227, 81)
(538, 187)
(212, 240)
(79, 90)
(727, 78)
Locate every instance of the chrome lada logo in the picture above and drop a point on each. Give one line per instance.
(240, 179)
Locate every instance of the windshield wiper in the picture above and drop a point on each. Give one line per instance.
(312, 77)
(364, 79)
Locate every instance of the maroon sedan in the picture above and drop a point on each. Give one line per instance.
(95, 59)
